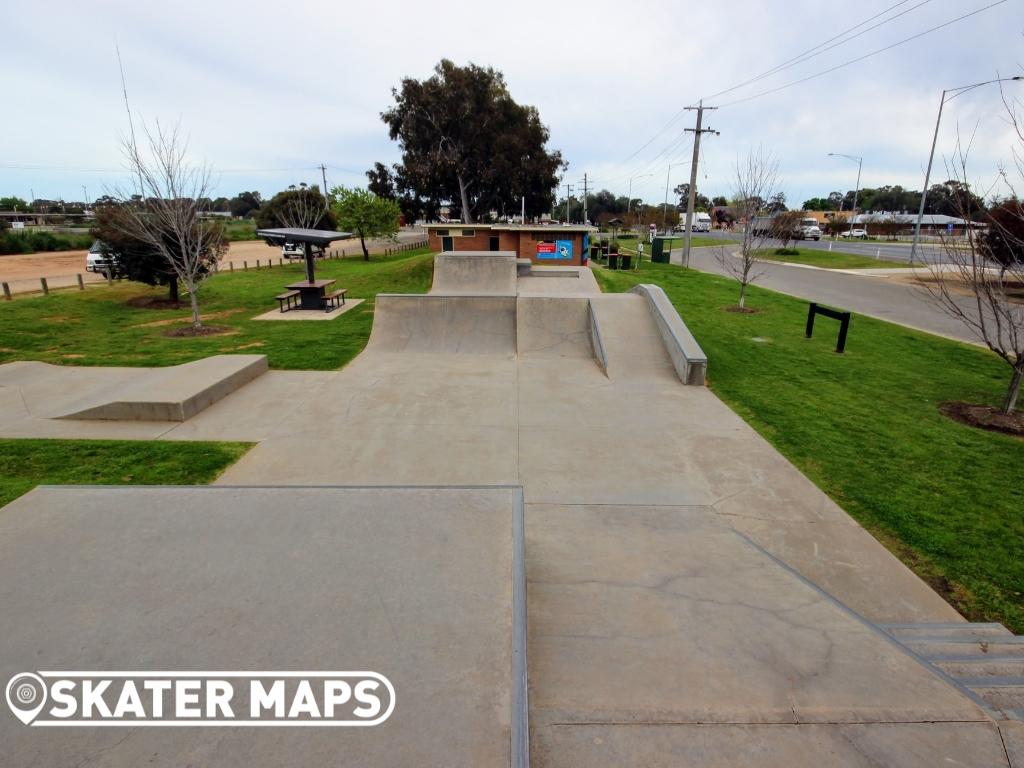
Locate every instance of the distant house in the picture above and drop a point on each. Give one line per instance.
(931, 224)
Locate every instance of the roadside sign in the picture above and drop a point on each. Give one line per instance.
(949, 228)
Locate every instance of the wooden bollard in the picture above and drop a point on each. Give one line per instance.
(231, 266)
(46, 288)
(245, 266)
(280, 262)
(110, 277)
(81, 285)
(7, 292)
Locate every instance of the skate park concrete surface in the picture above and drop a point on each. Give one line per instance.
(692, 599)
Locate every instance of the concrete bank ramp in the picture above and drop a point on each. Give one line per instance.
(475, 273)
(420, 585)
(553, 327)
(175, 393)
(436, 323)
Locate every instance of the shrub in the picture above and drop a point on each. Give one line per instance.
(787, 252)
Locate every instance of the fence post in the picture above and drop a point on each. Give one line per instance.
(231, 266)
(280, 262)
(245, 266)
(46, 288)
(257, 263)
(7, 292)
(81, 285)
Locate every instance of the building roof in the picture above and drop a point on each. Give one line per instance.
(297, 235)
(928, 220)
(519, 227)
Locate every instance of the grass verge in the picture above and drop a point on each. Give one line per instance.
(24, 464)
(99, 326)
(831, 259)
(865, 427)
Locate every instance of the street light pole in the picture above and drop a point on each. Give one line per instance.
(664, 207)
(629, 197)
(931, 157)
(856, 190)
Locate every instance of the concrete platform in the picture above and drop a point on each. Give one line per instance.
(417, 584)
(175, 393)
(475, 273)
(317, 315)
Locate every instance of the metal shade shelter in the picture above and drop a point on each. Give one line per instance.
(308, 238)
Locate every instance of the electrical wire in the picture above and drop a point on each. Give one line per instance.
(865, 56)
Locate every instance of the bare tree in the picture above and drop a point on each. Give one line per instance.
(167, 219)
(755, 181)
(303, 208)
(989, 310)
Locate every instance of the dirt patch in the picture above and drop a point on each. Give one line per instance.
(250, 345)
(175, 320)
(152, 302)
(188, 332)
(984, 417)
(924, 279)
(73, 357)
(741, 310)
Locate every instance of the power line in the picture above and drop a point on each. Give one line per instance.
(814, 52)
(865, 56)
(682, 112)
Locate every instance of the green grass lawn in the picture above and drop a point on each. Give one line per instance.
(98, 326)
(239, 229)
(25, 464)
(947, 499)
(831, 259)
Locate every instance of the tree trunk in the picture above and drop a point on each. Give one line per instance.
(362, 242)
(172, 289)
(743, 295)
(467, 215)
(1010, 402)
(197, 321)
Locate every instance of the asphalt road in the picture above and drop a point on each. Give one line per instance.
(884, 251)
(879, 296)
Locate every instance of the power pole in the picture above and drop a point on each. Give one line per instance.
(568, 197)
(584, 198)
(692, 201)
(323, 173)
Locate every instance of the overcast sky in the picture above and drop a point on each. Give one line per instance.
(268, 91)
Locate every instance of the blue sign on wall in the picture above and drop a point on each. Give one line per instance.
(560, 249)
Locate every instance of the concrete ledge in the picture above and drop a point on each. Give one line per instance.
(175, 393)
(688, 358)
(596, 341)
(445, 323)
(475, 272)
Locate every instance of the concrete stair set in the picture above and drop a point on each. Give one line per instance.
(985, 659)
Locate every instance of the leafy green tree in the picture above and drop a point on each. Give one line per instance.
(465, 140)
(366, 214)
(244, 204)
(719, 201)
(13, 204)
(1003, 240)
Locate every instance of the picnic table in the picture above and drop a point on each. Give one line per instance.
(311, 292)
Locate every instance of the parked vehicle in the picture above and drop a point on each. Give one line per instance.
(298, 251)
(858, 233)
(806, 229)
(97, 261)
(701, 222)
(809, 229)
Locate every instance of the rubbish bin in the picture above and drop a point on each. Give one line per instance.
(661, 250)
(625, 261)
(613, 261)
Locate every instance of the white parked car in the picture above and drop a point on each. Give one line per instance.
(95, 260)
(298, 251)
(859, 233)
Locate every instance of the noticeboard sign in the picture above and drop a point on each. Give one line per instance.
(557, 250)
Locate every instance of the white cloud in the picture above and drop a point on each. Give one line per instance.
(271, 85)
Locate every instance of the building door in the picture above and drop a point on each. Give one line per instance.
(447, 244)
(494, 243)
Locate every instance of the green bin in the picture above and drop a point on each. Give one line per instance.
(661, 249)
